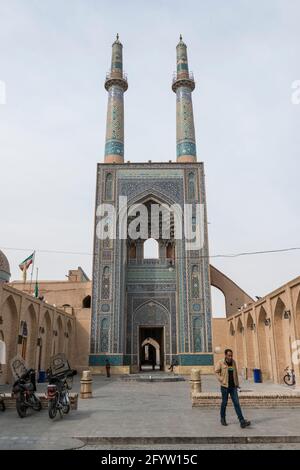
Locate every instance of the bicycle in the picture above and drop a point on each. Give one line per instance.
(289, 378)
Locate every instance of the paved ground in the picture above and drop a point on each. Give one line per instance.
(143, 410)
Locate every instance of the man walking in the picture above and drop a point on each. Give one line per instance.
(226, 372)
(107, 367)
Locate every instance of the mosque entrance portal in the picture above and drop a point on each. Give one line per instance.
(151, 348)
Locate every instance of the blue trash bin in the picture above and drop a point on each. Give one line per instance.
(42, 376)
(257, 375)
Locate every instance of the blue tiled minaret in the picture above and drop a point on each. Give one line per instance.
(183, 85)
(115, 84)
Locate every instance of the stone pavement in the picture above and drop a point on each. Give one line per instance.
(159, 413)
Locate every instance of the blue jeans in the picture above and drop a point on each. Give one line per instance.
(232, 391)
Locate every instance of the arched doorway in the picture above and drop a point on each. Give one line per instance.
(231, 337)
(239, 355)
(264, 344)
(9, 329)
(250, 331)
(282, 327)
(150, 354)
(69, 341)
(60, 333)
(151, 348)
(46, 340)
(29, 334)
(152, 320)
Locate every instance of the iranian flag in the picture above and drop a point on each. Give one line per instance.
(27, 262)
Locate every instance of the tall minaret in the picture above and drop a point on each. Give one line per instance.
(115, 84)
(183, 85)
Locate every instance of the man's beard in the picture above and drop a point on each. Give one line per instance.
(229, 361)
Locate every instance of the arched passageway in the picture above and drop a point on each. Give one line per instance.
(239, 354)
(264, 344)
(250, 333)
(282, 331)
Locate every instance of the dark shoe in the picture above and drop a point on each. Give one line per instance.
(223, 422)
(245, 423)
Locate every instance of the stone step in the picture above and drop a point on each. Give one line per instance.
(155, 377)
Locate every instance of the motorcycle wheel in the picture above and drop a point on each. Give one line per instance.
(288, 379)
(66, 409)
(2, 405)
(52, 408)
(36, 403)
(21, 408)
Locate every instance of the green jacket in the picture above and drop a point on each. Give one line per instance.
(221, 371)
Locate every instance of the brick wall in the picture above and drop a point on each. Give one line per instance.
(249, 400)
(10, 401)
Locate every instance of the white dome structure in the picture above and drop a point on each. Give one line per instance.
(4, 268)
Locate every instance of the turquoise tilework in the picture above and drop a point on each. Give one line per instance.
(196, 359)
(114, 148)
(116, 65)
(182, 66)
(115, 360)
(186, 148)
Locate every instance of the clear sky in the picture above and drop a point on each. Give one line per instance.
(245, 57)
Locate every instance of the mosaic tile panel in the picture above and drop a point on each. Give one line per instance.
(115, 122)
(169, 184)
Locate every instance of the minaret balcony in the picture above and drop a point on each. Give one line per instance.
(185, 79)
(116, 78)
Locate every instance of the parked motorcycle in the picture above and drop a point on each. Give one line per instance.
(24, 390)
(60, 378)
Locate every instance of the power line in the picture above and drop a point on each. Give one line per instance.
(83, 253)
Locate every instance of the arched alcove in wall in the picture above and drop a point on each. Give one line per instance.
(282, 329)
(264, 344)
(249, 335)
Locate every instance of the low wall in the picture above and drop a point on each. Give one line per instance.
(10, 401)
(249, 400)
(186, 370)
(114, 370)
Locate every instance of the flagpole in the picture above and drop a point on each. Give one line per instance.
(36, 283)
(32, 272)
(24, 274)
